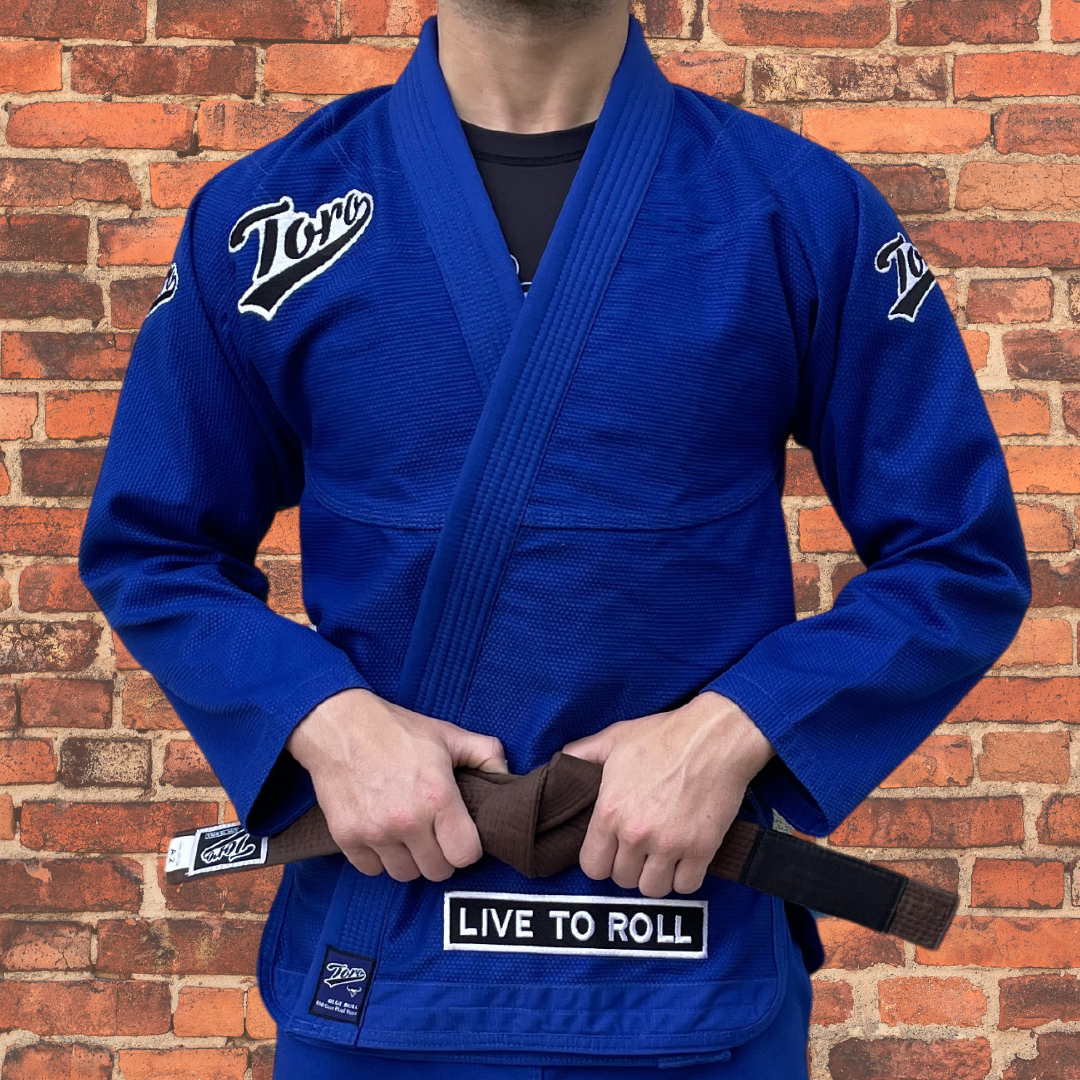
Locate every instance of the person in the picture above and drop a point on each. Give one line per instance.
(524, 336)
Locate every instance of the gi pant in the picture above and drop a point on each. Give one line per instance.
(778, 1053)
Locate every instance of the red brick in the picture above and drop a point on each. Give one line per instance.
(283, 536)
(821, 530)
(1064, 20)
(1042, 354)
(910, 189)
(27, 761)
(795, 77)
(1053, 244)
(306, 20)
(1039, 643)
(52, 646)
(1055, 586)
(941, 761)
(1017, 883)
(800, 476)
(1070, 408)
(110, 827)
(126, 1007)
(942, 873)
(262, 1063)
(174, 183)
(997, 941)
(146, 708)
(178, 946)
(1019, 185)
(831, 23)
(203, 1011)
(124, 660)
(978, 22)
(1029, 1001)
(286, 585)
(1038, 129)
(947, 284)
(58, 1061)
(933, 823)
(807, 586)
(29, 66)
(183, 1064)
(854, 948)
(833, 1002)
(185, 766)
(1019, 700)
(61, 472)
(259, 1023)
(977, 344)
(121, 125)
(70, 885)
(117, 20)
(1058, 1058)
(197, 69)
(80, 414)
(253, 891)
(9, 707)
(43, 946)
(110, 762)
(1010, 300)
(43, 182)
(1059, 821)
(130, 299)
(1018, 412)
(5, 489)
(783, 117)
(138, 241)
(888, 129)
(332, 69)
(44, 238)
(720, 74)
(378, 18)
(1044, 469)
(240, 125)
(65, 296)
(843, 573)
(64, 356)
(7, 817)
(1046, 528)
(53, 589)
(81, 703)
(1016, 74)
(910, 1059)
(926, 1000)
(17, 415)
(1041, 757)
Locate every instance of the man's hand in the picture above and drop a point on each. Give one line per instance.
(384, 777)
(672, 785)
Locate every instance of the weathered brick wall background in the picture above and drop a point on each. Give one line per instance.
(964, 112)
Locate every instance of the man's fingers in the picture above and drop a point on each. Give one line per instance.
(429, 857)
(456, 835)
(656, 877)
(689, 875)
(475, 751)
(628, 864)
(598, 853)
(595, 748)
(399, 863)
(365, 860)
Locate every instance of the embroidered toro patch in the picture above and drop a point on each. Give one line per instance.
(914, 279)
(588, 925)
(344, 985)
(295, 247)
(168, 289)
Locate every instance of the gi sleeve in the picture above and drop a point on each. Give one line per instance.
(198, 463)
(889, 406)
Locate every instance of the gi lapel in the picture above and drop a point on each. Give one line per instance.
(545, 338)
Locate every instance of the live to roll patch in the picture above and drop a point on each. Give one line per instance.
(586, 925)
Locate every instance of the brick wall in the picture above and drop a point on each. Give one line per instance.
(964, 112)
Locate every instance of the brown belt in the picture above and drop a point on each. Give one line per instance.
(536, 824)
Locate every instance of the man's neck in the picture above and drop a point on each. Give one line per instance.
(514, 70)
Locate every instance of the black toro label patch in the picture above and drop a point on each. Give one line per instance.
(344, 985)
(586, 925)
(226, 845)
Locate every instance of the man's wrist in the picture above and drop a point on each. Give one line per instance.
(742, 740)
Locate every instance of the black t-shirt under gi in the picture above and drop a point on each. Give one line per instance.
(527, 178)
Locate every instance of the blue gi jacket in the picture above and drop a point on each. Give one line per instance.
(536, 516)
